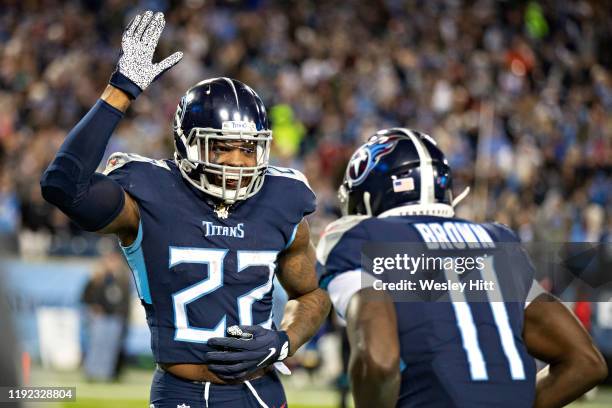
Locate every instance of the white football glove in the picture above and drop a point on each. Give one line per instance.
(136, 70)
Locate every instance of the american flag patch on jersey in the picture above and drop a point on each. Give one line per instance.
(403, 184)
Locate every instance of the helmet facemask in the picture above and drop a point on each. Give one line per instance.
(226, 182)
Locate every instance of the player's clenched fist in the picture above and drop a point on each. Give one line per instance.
(136, 70)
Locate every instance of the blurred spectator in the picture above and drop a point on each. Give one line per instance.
(519, 95)
(9, 363)
(288, 133)
(9, 214)
(107, 297)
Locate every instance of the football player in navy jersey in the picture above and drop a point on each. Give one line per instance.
(204, 233)
(453, 353)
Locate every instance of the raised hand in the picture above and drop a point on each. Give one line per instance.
(135, 70)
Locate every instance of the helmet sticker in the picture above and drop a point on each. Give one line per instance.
(367, 157)
(402, 184)
(239, 125)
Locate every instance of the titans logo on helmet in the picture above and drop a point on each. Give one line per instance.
(366, 158)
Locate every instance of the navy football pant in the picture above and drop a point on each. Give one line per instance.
(169, 391)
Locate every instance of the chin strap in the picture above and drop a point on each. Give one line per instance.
(461, 196)
(367, 204)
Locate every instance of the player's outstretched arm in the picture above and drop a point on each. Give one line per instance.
(92, 200)
(374, 362)
(554, 335)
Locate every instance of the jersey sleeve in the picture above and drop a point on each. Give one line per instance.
(136, 174)
(339, 261)
(517, 272)
(339, 249)
(295, 190)
(534, 291)
(501, 232)
(291, 197)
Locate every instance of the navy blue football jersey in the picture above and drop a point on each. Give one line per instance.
(454, 353)
(197, 273)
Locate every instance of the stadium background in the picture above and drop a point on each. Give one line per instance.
(518, 94)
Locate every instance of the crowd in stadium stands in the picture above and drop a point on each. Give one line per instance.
(518, 95)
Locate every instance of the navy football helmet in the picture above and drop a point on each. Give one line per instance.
(399, 169)
(221, 110)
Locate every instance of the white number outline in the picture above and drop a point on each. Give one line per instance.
(214, 259)
(469, 334)
(247, 259)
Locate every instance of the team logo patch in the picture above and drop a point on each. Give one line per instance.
(357, 169)
(367, 157)
(222, 211)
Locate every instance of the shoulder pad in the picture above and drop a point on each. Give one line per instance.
(334, 232)
(287, 172)
(119, 159)
(509, 233)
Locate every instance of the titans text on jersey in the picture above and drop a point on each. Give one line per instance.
(213, 229)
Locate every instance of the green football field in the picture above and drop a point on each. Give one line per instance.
(133, 389)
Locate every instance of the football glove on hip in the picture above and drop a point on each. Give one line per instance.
(247, 349)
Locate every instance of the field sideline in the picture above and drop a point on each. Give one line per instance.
(133, 390)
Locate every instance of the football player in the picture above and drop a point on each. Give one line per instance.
(203, 233)
(453, 353)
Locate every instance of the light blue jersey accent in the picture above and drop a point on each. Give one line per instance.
(135, 259)
(292, 238)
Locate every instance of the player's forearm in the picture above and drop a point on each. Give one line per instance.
(70, 182)
(374, 364)
(303, 317)
(569, 379)
(86, 142)
(373, 385)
